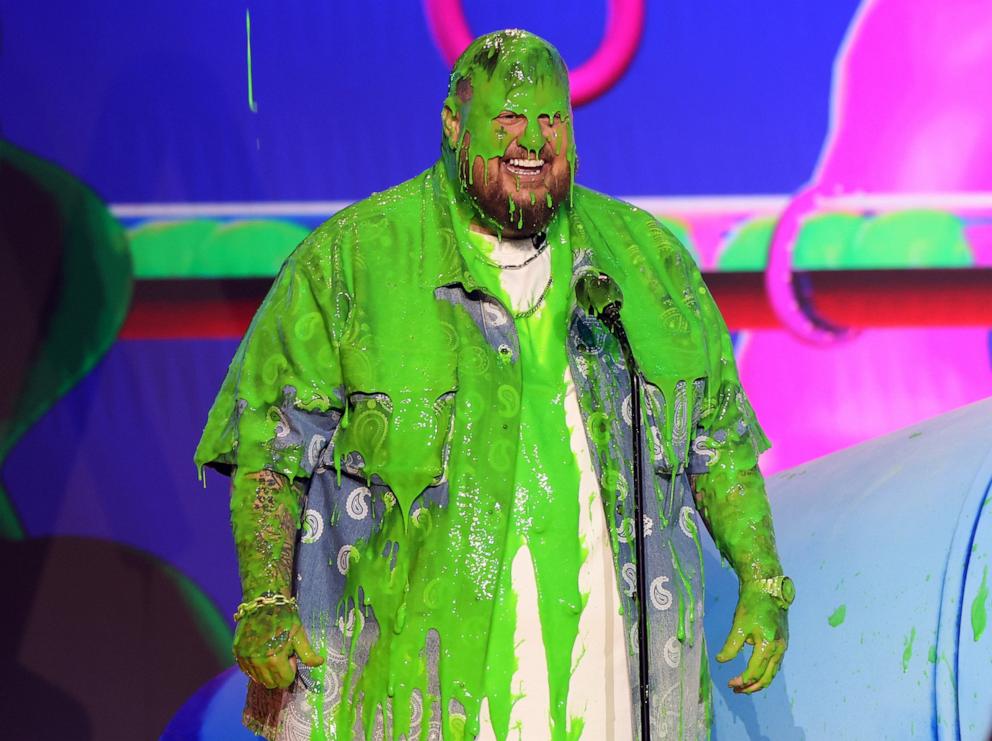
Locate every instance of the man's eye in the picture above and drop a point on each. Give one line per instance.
(506, 117)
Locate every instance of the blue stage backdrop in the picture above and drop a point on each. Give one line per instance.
(148, 102)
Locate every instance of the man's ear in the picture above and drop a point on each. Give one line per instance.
(452, 126)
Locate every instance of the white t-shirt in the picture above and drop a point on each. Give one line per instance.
(599, 690)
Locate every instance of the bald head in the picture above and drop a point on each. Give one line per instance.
(508, 130)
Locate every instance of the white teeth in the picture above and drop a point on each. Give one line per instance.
(527, 163)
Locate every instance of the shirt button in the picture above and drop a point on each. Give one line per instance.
(505, 351)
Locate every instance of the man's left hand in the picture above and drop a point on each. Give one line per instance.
(761, 622)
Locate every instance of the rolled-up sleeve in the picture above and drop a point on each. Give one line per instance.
(283, 392)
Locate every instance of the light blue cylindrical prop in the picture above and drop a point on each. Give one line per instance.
(889, 544)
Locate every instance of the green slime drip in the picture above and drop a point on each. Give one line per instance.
(979, 617)
(907, 650)
(545, 512)
(837, 617)
(252, 105)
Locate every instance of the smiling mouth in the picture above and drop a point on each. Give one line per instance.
(524, 168)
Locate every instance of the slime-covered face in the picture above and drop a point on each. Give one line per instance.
(508, 131)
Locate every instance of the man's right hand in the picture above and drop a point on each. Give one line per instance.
(265, 642)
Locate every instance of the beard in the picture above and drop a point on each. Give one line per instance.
(492, 188)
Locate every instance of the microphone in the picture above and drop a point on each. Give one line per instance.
(596, 291)
(600, 296)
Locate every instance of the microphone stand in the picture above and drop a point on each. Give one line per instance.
(610, 316)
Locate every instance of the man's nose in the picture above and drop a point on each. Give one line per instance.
(533, 138)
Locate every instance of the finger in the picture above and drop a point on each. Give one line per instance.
(303, 649)
(758, 663)
(733, 645)
(281, 671)
(248, 668)
(769, 675)
(261, 673)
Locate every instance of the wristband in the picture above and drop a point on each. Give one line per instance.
(781, 588)
(264, 601)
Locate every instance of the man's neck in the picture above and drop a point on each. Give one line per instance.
(506, 236)
(505, 243)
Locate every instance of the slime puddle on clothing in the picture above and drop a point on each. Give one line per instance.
(544, 531)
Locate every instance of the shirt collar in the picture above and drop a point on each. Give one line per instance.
(444, 224)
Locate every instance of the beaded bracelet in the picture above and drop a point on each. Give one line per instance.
(264, 601)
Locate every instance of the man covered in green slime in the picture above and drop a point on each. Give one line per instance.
(431, 446)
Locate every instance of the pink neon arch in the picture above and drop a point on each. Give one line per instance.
(624, 24)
